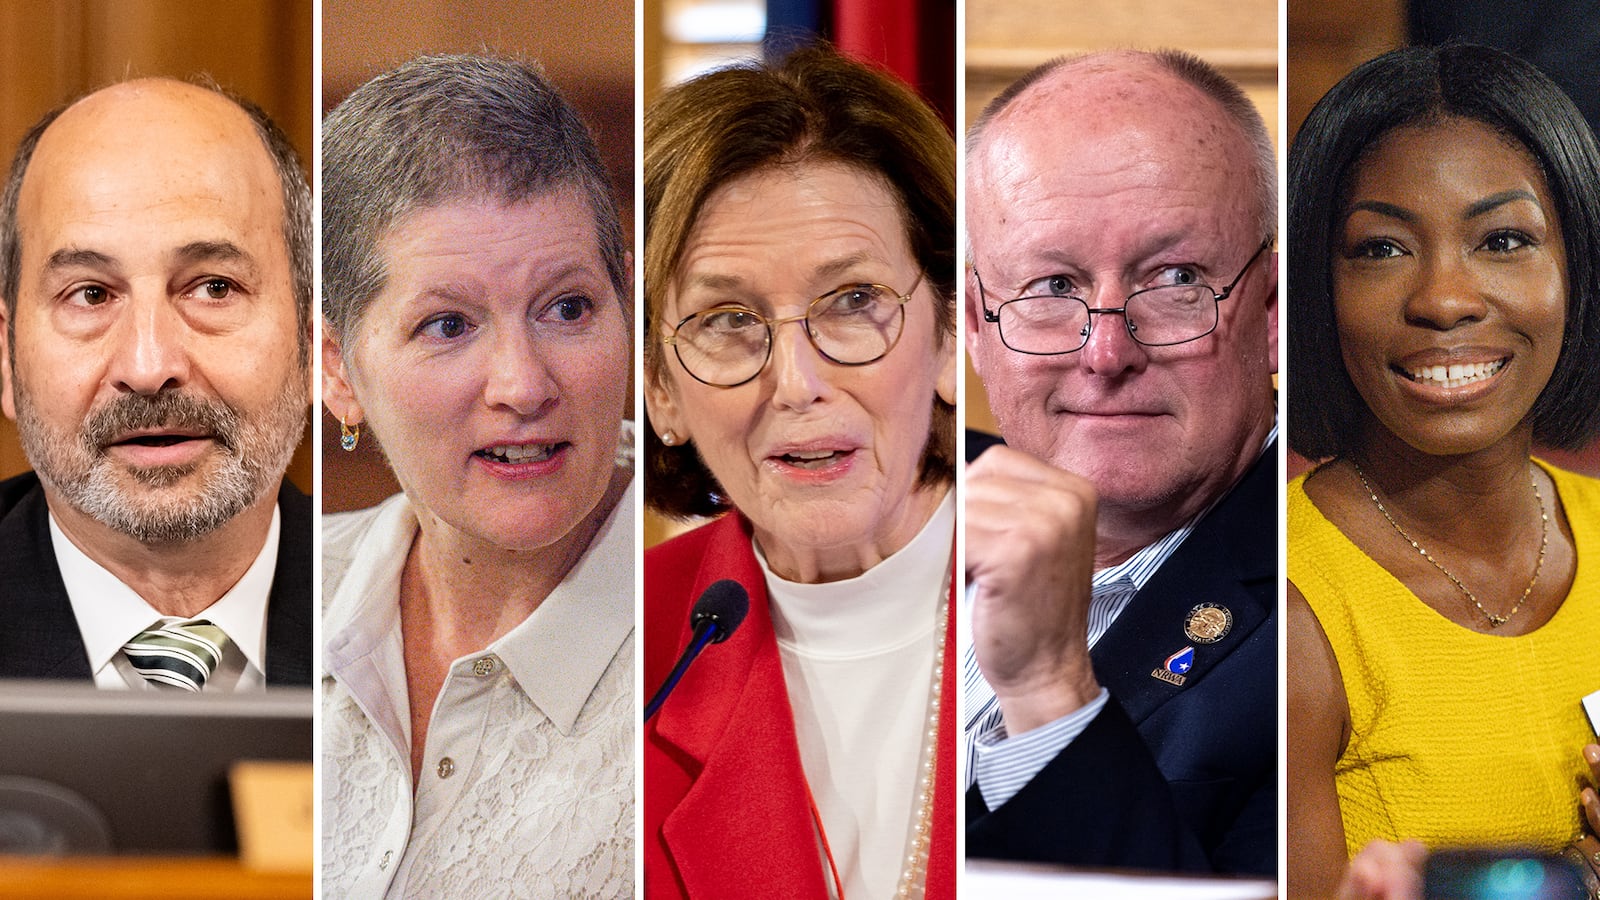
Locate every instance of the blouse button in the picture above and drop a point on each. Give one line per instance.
(447, 767)
(387, 856)
(483, 666)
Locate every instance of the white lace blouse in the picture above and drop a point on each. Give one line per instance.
(527, 787)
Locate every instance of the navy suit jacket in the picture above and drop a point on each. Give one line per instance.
(1170, 777)
(39, 637)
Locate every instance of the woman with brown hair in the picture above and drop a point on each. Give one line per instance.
(800, 382)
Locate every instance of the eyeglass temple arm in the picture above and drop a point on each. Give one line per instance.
(1228, 291)
(983, 300)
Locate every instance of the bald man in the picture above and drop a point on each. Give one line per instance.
(154, 241)
(1121, 306)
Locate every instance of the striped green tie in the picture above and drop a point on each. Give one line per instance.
(177, 654)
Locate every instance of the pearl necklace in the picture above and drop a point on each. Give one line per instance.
(1544, 539)
(914, 868)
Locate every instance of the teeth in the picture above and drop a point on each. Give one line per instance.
(516, 453)
(1455, 375)
(811, 459)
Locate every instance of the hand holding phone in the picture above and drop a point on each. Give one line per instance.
(1589, 796)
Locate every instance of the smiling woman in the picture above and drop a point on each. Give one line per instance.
(1449, 275)
(477, 324)
(1444, 234)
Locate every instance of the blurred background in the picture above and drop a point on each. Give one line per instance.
(1006, 38)
(585, 48)
(1328, 38)
(52, 51)
(914, 39)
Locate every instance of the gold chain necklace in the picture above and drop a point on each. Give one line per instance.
(1544, 539)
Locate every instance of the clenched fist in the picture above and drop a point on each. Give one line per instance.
(1030, 554)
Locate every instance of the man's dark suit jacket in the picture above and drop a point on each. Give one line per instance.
(39, 636)
(1170, 777)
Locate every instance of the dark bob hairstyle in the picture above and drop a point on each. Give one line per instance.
(1421, 86)
(814, 106)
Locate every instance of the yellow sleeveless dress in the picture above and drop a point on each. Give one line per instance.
(1457, 738)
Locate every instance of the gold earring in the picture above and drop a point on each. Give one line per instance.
(347, 436)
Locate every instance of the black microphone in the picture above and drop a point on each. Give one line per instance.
(714, 617)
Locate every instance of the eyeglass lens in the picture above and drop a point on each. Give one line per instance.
(1155, 317)
(853, 325)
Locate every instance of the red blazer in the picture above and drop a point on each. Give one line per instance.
(726, 813)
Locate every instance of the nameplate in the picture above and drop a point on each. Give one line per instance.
(1169, 677)
(273, 811)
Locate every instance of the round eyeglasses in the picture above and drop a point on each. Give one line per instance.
(726, 346)
(1155, 317)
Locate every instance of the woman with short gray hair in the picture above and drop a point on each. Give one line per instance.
(478, 659)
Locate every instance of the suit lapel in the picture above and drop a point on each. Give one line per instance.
(731, 714)
(40, 636)
(289, 602)
(1229, 559)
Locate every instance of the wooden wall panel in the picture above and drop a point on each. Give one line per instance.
(1245, 27)
(1328, 39)
(52, 51)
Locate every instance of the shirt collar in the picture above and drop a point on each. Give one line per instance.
(361, 618)
(1138, 568)
(366, 605)
(559, 653)
(109, 612)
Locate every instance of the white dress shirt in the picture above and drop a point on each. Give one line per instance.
(110, 614)
(527, 785)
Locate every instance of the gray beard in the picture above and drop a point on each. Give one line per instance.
(165, 504)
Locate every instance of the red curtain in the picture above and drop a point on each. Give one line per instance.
(915, 39)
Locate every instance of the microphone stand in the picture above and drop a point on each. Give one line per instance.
(704, 633)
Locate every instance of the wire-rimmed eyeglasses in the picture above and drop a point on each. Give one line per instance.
(1048, 325)
(853, 325)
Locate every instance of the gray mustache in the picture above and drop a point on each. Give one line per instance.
(163, 410)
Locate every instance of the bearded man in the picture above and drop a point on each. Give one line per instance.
(155, 265)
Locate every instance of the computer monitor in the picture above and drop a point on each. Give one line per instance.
(88, 771)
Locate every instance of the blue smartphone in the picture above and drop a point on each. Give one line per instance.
(1500, 875)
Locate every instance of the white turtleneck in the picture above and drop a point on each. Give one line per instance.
(858, 658)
